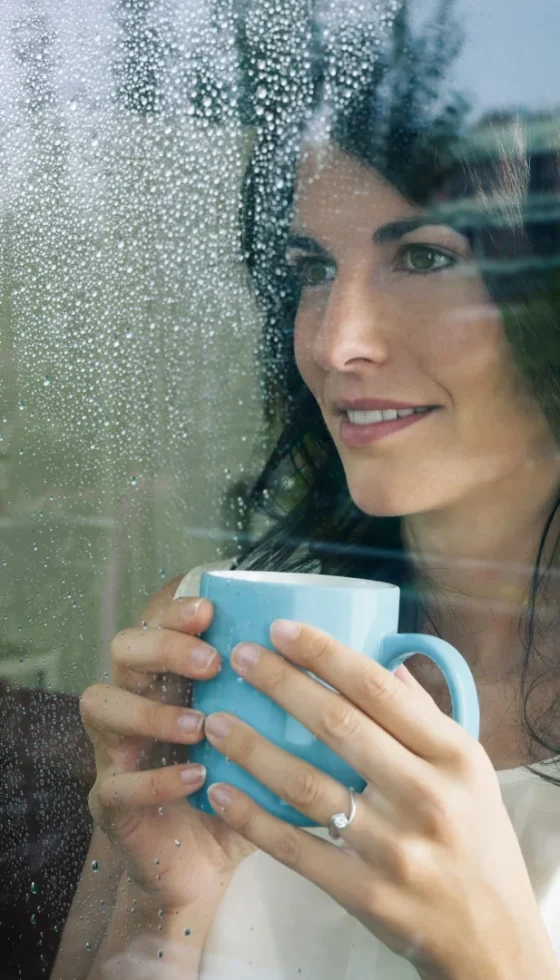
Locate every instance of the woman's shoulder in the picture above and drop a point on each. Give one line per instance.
(189, 585)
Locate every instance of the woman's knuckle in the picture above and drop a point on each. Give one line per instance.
(167, 649)
(441, 814)
(105, 794)
(406, 859)
(318, 649)
(469, 758)
(90, 701)
(120, 645)
(379, 685)
(287, 848)
(94, 804)
(151, 717)
(153, 785)
(302, 789)
(372, 900)
(244, 817)
(276, 673)
(340, 719)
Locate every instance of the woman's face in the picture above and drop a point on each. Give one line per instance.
(393, 316)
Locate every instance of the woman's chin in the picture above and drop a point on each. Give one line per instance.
(387, 501)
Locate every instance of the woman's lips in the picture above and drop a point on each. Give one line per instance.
(353, 434)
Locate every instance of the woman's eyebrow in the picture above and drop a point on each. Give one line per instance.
(305, 243)
(390, 232)
(393, 230)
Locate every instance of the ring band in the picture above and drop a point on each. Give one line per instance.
(339, 821)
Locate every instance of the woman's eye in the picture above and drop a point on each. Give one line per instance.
(422, 259)
(313, 271)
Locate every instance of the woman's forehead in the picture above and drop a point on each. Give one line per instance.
(332, 186)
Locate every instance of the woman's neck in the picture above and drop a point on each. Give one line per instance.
(475, 559)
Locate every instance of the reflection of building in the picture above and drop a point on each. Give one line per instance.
(503, 176)
(513, 133)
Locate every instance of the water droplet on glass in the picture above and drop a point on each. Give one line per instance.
(34, 888)
(95, 865)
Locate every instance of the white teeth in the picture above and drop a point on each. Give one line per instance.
(365, 418)
(387, 415)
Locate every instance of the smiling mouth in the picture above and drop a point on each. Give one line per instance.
(384, 415)
(360, 428)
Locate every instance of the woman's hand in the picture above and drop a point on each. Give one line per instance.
(173, 855)
(430, 864)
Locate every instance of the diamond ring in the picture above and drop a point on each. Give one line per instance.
(339, 821)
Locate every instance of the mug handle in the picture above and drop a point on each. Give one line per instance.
(398, 647)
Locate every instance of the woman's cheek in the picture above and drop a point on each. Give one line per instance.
(469, 339)
(303, 350)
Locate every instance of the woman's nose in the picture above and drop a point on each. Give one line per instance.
(356, 326)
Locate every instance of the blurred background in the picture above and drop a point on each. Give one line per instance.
(131, 415)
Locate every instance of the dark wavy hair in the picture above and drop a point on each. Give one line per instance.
(497, 183)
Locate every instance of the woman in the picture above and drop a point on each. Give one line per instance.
(413, 278)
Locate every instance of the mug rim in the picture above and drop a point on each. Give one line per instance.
(289, 579)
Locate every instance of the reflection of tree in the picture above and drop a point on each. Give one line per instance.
(33, 47)
(354, 58)
(141, 60)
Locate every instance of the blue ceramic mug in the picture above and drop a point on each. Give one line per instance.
(359, 613)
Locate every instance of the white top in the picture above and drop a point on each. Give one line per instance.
(272, 924)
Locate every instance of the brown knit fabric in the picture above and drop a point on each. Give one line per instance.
(47, 770)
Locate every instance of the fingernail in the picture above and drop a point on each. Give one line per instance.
(219, 795)
(202, 656)
(218, 725)
(245, 655)
(193, 774)
(191, 722)
(284, 629)
(191, 606)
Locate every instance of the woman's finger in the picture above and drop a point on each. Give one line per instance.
(404, 712)
(335, 870)
(401, 777)
(108, 710)
(371, 834)
(375, 754)
(152, 787)
(175, 690)
(187, 615)
(138, 654)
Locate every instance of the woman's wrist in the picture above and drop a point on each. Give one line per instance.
(532, 959)
(188, 924)
(142, 933)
